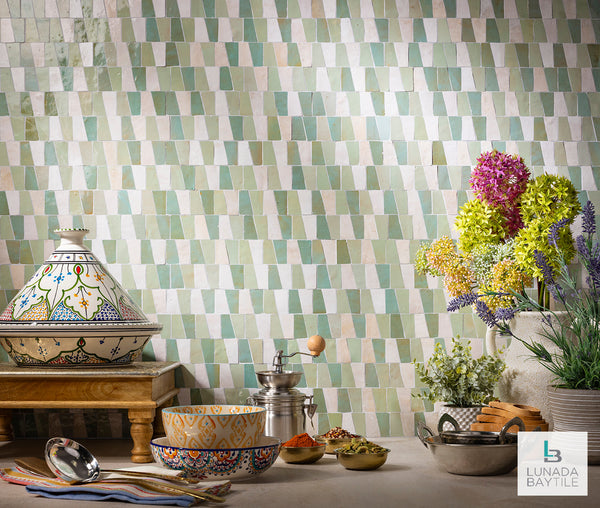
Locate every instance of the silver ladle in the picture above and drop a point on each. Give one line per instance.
(73, 463)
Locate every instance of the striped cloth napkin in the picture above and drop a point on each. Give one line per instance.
(105, 490)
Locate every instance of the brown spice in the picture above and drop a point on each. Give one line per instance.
(338, 433)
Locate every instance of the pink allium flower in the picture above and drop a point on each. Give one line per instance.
(514, 221)
(499, 179)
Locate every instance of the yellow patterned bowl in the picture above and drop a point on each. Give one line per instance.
(214, 426)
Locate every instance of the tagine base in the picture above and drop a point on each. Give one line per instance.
(74, 352)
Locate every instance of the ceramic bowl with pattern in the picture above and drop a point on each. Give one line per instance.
(217, 464)
(73, 313)
(214, 426)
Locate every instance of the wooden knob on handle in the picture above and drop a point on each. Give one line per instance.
(316, 344)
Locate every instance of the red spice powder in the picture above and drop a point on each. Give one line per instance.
(301, 441)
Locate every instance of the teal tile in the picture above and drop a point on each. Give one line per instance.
(299, 326)
(225, 82)
(468, 35)
(212, 28)
(419, 34)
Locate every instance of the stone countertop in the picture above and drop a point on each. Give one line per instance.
(409, 478)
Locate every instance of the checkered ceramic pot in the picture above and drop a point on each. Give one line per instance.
(464, 416)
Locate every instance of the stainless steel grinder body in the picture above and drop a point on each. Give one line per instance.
(286, 411)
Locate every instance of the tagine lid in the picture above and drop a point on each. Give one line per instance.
(73, 289)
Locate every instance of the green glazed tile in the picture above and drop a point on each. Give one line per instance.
(371, 379)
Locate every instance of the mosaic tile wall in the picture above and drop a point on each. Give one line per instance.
(258, 171)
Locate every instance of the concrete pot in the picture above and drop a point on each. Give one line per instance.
(577, 411)
(525, 380)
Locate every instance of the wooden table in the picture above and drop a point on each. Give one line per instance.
(140, 387)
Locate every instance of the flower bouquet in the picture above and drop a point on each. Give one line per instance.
(500, 230)
(574, 359)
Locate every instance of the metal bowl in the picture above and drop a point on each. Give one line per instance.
(476, 437)
(470, 459)
(473, 460)
(272, 379)
(302, 454)
(362, 461)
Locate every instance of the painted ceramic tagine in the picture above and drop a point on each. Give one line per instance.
(73, 313)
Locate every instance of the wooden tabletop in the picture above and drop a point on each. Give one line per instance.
(151, 369)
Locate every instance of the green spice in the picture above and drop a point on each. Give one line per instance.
(361, 446)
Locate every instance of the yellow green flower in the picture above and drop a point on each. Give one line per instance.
(535, 237)
(478, 224)
(442, 255)
(550, 198)
(421, 264)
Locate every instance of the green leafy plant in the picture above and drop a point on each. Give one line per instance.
(457, 378)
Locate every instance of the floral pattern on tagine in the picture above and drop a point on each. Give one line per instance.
(71, 292)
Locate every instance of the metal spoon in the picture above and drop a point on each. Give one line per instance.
(72, 462)
(75, 461)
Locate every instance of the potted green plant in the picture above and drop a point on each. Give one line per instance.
(570, 350)
(462, 382)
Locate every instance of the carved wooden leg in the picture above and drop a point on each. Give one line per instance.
(6, 433)
(141, 434)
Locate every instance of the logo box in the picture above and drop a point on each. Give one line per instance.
(552, 464)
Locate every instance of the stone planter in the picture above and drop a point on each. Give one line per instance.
(577, 411)
(464, 416)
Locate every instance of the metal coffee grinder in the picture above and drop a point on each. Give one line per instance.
(287, 408)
